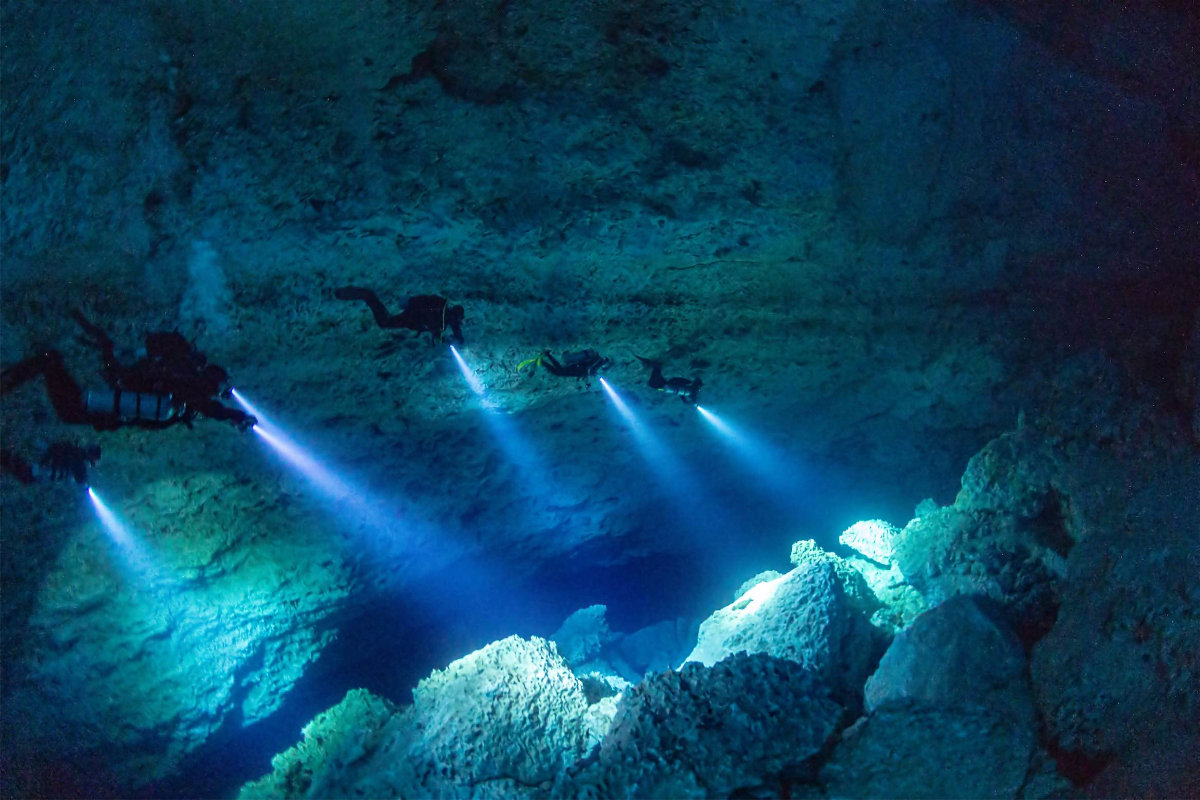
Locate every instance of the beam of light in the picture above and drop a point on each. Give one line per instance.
(652, 447)
(511, 440)
(706, 518)
(773, 468)
(376, 514)
(134, 553)
(472, 379)
(671, 472)
(722, 426)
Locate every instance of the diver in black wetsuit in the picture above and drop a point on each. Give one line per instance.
(686, 389)
(172, 384)
(580, 365)
(58, 461)
(422, 313)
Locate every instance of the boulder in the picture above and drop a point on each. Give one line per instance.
(511, 711)
(950, 713)
(709, 732)
(582, 635)
(804, 616)
(498, 722)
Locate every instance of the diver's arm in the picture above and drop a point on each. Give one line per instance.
(223, 413)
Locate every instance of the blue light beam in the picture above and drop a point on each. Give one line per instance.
(504, 430)
(724, 427)
(764, 461)
(368, 510)
(672, 472)
(472, 379)
(708, 519)
(652, 448)
(134, 553)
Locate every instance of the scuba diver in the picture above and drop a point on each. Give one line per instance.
(686, 389)
(172, 384)
(580, 365)
(59, 460)
(425, 312)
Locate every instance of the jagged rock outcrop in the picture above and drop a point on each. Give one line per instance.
(510, 712)
(709, 732)
(949, 713)
(1081, 527)
(608, 661)
(358, 748)
(804, 616)
(874, 564)
(657, 647)
(502, 721)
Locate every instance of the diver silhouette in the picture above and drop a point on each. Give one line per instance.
(580, 365)
(422, 313)
(686, 389)
(172, 384)
(59, 460)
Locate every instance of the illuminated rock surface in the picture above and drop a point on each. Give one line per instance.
(498, 722)
(804, 616)
(894, 241)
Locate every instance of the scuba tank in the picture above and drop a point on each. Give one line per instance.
(131, 405)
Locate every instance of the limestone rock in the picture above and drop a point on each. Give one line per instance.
(510, 710)
(1088, 544)
(582, 635)
(497, 722)
(804, 616)
(1116, 677)
(860, 594)
(893, 600)
(957, 657)
(874, 539)
(657, 647)
(709, 731)
(950, 713)
(927, 753)
(750, 583)
(359, 748)
(169, 634)
(1006, 557)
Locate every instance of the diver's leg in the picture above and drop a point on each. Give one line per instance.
(552, 364)
(656, 376)
(21, 373)
(65, 394)
(382, 318)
